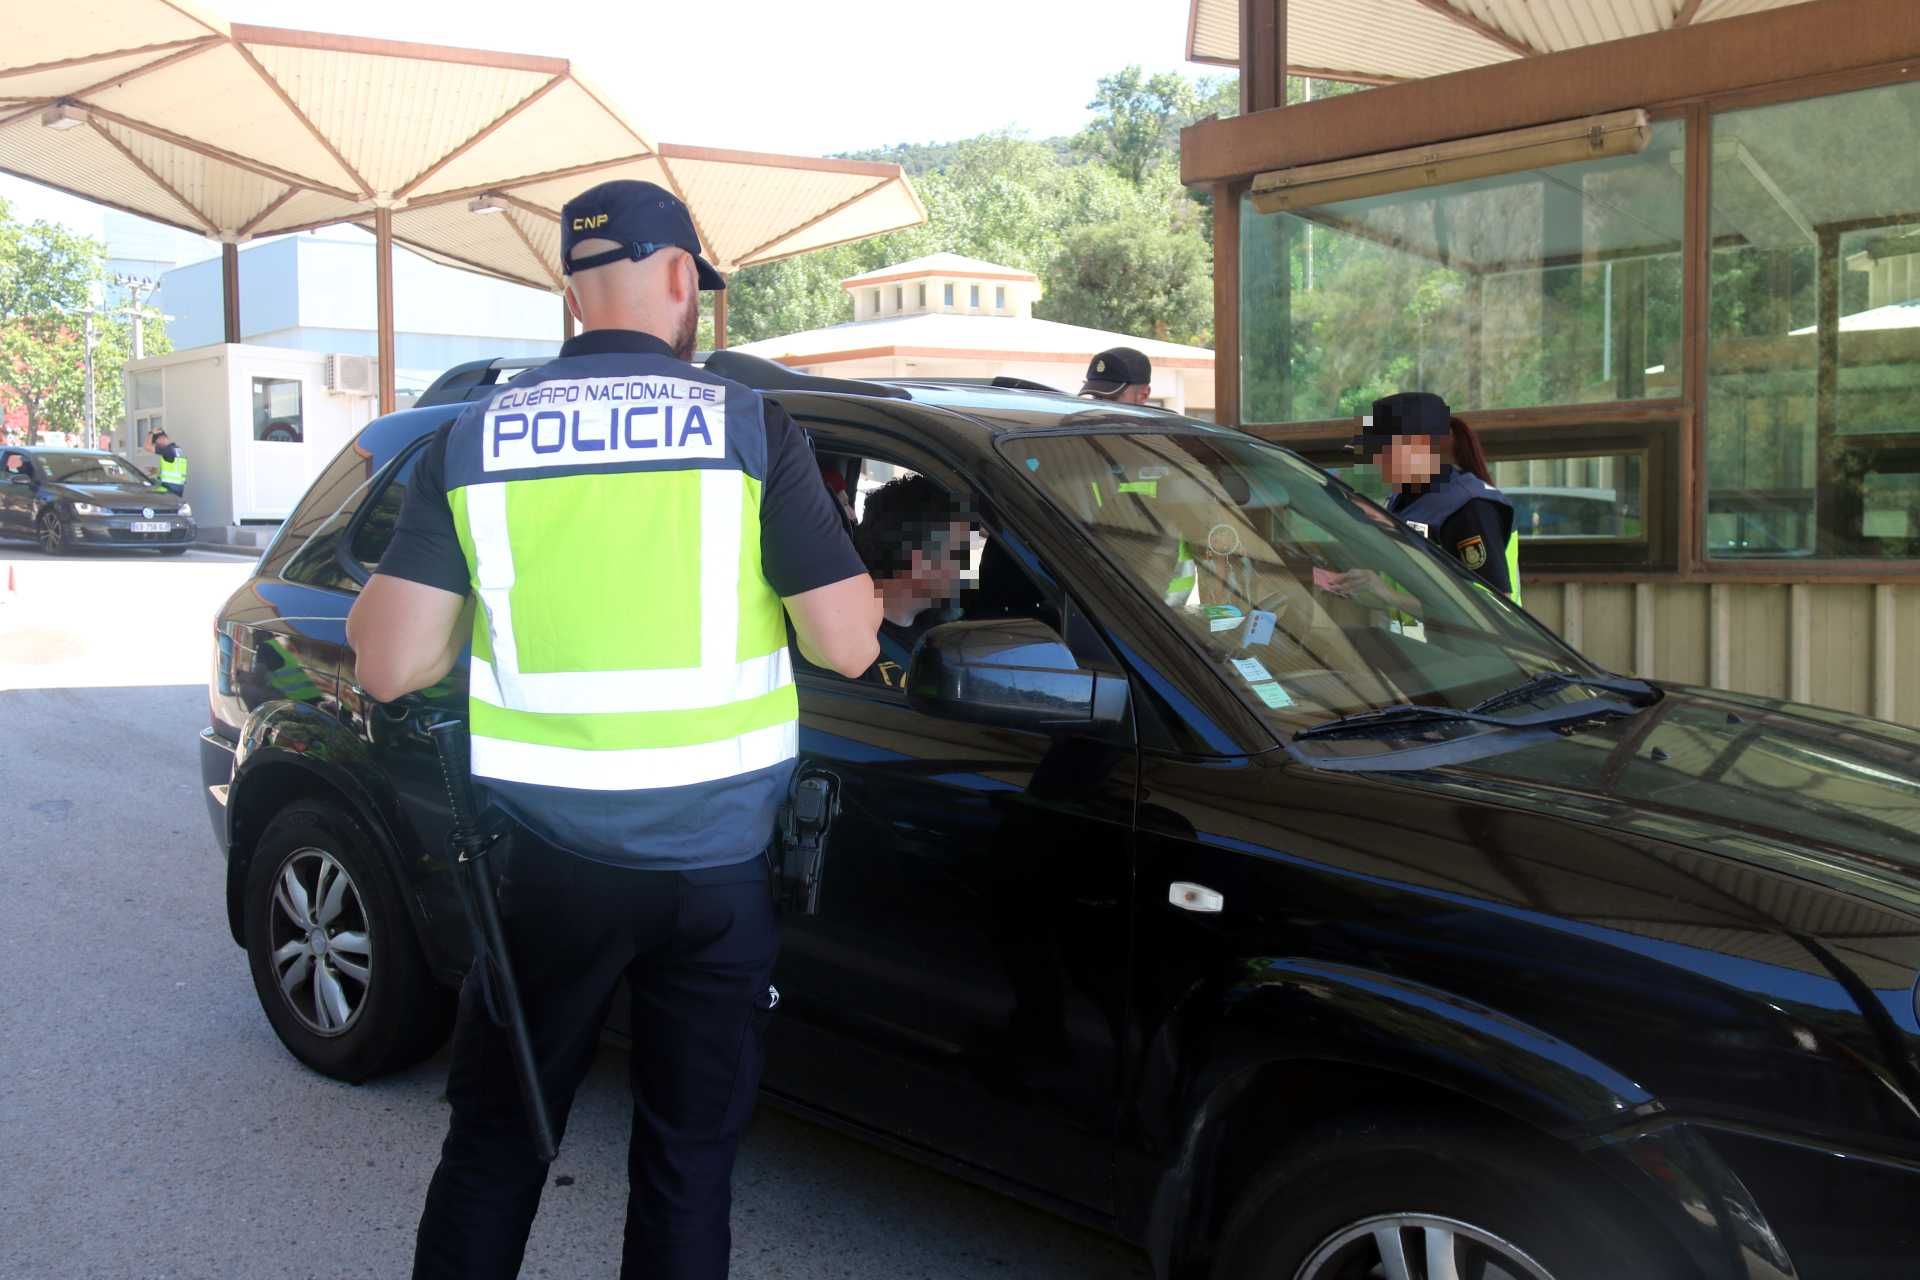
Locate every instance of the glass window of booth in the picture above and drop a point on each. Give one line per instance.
(1813, 365)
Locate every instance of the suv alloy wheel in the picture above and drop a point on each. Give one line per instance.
(332, 949)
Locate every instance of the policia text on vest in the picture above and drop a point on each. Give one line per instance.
(629, 535)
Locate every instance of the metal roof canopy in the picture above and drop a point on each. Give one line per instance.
(1384, 41)
(234, 131)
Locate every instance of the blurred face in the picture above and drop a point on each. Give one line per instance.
(934, 576)
(1408, 460)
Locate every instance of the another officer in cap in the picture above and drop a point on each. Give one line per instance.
(1441, 485)
(623, 537)
(172, 471)
(1120, 374)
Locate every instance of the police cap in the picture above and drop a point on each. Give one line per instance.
(641, 217)
(1406, 413)
(1115, 369)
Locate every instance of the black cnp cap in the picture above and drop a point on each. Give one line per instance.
(1115, 369)
(640, 217)
(1408, 413)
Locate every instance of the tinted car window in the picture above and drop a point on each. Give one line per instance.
(375, 529)
(340, 487)
(346, 506)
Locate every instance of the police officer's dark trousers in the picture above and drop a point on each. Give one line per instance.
(698, 949)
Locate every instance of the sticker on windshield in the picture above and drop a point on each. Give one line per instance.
(1250, 670)
(1273, 695)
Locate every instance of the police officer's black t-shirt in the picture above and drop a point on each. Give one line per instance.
(803, 541)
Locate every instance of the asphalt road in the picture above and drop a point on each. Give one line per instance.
(152, 1126)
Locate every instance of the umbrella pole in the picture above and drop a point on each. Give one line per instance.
(230, 288)
(383, 268)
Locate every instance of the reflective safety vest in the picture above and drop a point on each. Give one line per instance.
(626, 641)
(1180, 585)
(174, 472)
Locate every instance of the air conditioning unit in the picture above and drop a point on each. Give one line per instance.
(351, 375)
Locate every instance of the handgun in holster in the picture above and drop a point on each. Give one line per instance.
(802, 840)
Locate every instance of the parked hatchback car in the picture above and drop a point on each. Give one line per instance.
(1289, 936)
(65, 499)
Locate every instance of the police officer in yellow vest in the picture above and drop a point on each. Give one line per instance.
(622, 538)
(172, 472)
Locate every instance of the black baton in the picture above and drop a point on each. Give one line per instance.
(466, 845)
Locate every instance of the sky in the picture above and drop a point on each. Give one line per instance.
(775, 75)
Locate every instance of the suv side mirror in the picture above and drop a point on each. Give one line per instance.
(19, 477)
(1016, 673)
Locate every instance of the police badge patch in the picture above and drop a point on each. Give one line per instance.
(1473, 551)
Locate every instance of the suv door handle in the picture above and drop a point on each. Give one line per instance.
(1189, 896)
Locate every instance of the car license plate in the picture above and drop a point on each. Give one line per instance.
(152, 526)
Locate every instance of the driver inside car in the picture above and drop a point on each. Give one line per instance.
(916, 540)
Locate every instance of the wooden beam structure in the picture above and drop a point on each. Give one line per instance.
(1263, 55)
(720, 320)
(1668, 68)
(1226, 305)
(383, 269)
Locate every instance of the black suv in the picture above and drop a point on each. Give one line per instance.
(65, 499)
(1186, 886)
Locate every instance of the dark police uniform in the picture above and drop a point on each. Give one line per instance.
(1457, 511)
(1466, 517)
(589, 525)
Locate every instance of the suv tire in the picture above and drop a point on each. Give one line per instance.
(334, 958)
(1354, 1187)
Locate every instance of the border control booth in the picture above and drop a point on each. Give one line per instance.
(1673, 279)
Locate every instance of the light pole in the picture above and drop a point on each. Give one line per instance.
(136, 286)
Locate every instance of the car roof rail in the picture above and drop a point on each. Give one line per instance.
(475, 378)
(1005, 382)
(769, 375)
(469, 381)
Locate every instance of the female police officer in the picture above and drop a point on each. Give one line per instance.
(1442, 490)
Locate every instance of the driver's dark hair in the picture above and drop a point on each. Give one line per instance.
(898, 520)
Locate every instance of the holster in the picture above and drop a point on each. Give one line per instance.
(800, 843)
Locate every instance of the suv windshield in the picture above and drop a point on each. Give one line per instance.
(1310, 601)
(88, 468)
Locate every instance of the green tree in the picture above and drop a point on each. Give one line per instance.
(47, 274)
(1137, 118)
(1135, 275)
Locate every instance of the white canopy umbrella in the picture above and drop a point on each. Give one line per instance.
(235, 132)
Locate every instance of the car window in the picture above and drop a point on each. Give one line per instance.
(351, 512)
(1310, 602)
(951, 565)
(374, 530)
(89, 468)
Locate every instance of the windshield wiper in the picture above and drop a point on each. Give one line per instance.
(1638, 691)
(1406, 714)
